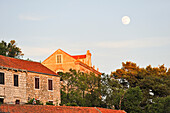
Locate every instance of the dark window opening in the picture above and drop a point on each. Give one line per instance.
(58, 58)
(50, 84)
(15, 80)
(36, 83)
(51, 102)
(1, 101)
(17, 102)
(2, 80)
(61, 79)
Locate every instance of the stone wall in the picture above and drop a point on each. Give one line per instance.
(26, 87)
(43, 94)
(11, 93)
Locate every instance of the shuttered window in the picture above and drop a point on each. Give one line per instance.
(59, 59)
(15, 80)
(50, 84)
(2, 79)
(36, 83)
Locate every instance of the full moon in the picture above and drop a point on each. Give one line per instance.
(125, 20)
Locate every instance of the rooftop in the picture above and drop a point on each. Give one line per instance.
(29, 66)
(54, 109)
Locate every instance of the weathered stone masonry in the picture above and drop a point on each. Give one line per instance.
(43, 94)
(26, 72)
(11, 93)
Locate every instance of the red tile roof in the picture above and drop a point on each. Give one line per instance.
(76, 57)
(79, 56)
(30, 66)
(54, 109)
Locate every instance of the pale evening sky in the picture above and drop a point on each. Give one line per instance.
(40, 27)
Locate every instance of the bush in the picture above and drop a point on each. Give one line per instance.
(49, 103)
(71, 104)
(34, 102)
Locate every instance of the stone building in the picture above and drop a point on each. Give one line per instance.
(22, 80)
(61, 61)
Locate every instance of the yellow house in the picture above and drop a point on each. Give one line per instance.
(61, 61)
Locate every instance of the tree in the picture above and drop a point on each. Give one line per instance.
(153, 81)
(80, 89)
(10, 49)
(112, 92)
(154, 87)
(159, 105)
(3, 48)
(132, 99)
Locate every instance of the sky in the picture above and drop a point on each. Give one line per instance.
(40, 27)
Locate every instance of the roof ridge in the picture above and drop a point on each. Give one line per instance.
(98, 110)
(24, 65)
(19, 59)
(87, 66)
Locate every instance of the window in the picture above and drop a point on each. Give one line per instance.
(15, 80)
(59, 71)
(2, 81)
(51, 102)
(1, 100)
(59, 60)
(36, 83)
(50, 84)
(17, 101)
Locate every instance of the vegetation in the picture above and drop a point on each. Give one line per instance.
(49, 103)
(10, 49)
(34, 101)
(80, 89)
(154, 82)
(131, 88)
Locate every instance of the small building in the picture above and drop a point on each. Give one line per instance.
(22, 80)
(60, 61)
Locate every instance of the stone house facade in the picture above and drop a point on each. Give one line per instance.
(22, 80)
(60, 61)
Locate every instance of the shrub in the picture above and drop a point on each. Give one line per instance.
(34, 102)
(71, 104)
(49, 103)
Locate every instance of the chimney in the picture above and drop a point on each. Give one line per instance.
(88, 58)
(93, 67)
(97, 69)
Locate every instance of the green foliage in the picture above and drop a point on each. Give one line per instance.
(0, 103)
(34, 102)
(80, 88)
(49, 103)
(3, 48)
(71, 104)
(132, 99)
(10, 49)
(146, 84)
(111, 91)
(153, 81)
(159, 105)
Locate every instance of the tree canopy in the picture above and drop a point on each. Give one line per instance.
(10, 49)
(131, 88)
(154, 82)
(80, 89)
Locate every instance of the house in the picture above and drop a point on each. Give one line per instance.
(22, 80)
(60, 61)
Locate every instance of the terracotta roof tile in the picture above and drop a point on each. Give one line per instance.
(24, 65)
(79, 56)
(54, 109)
